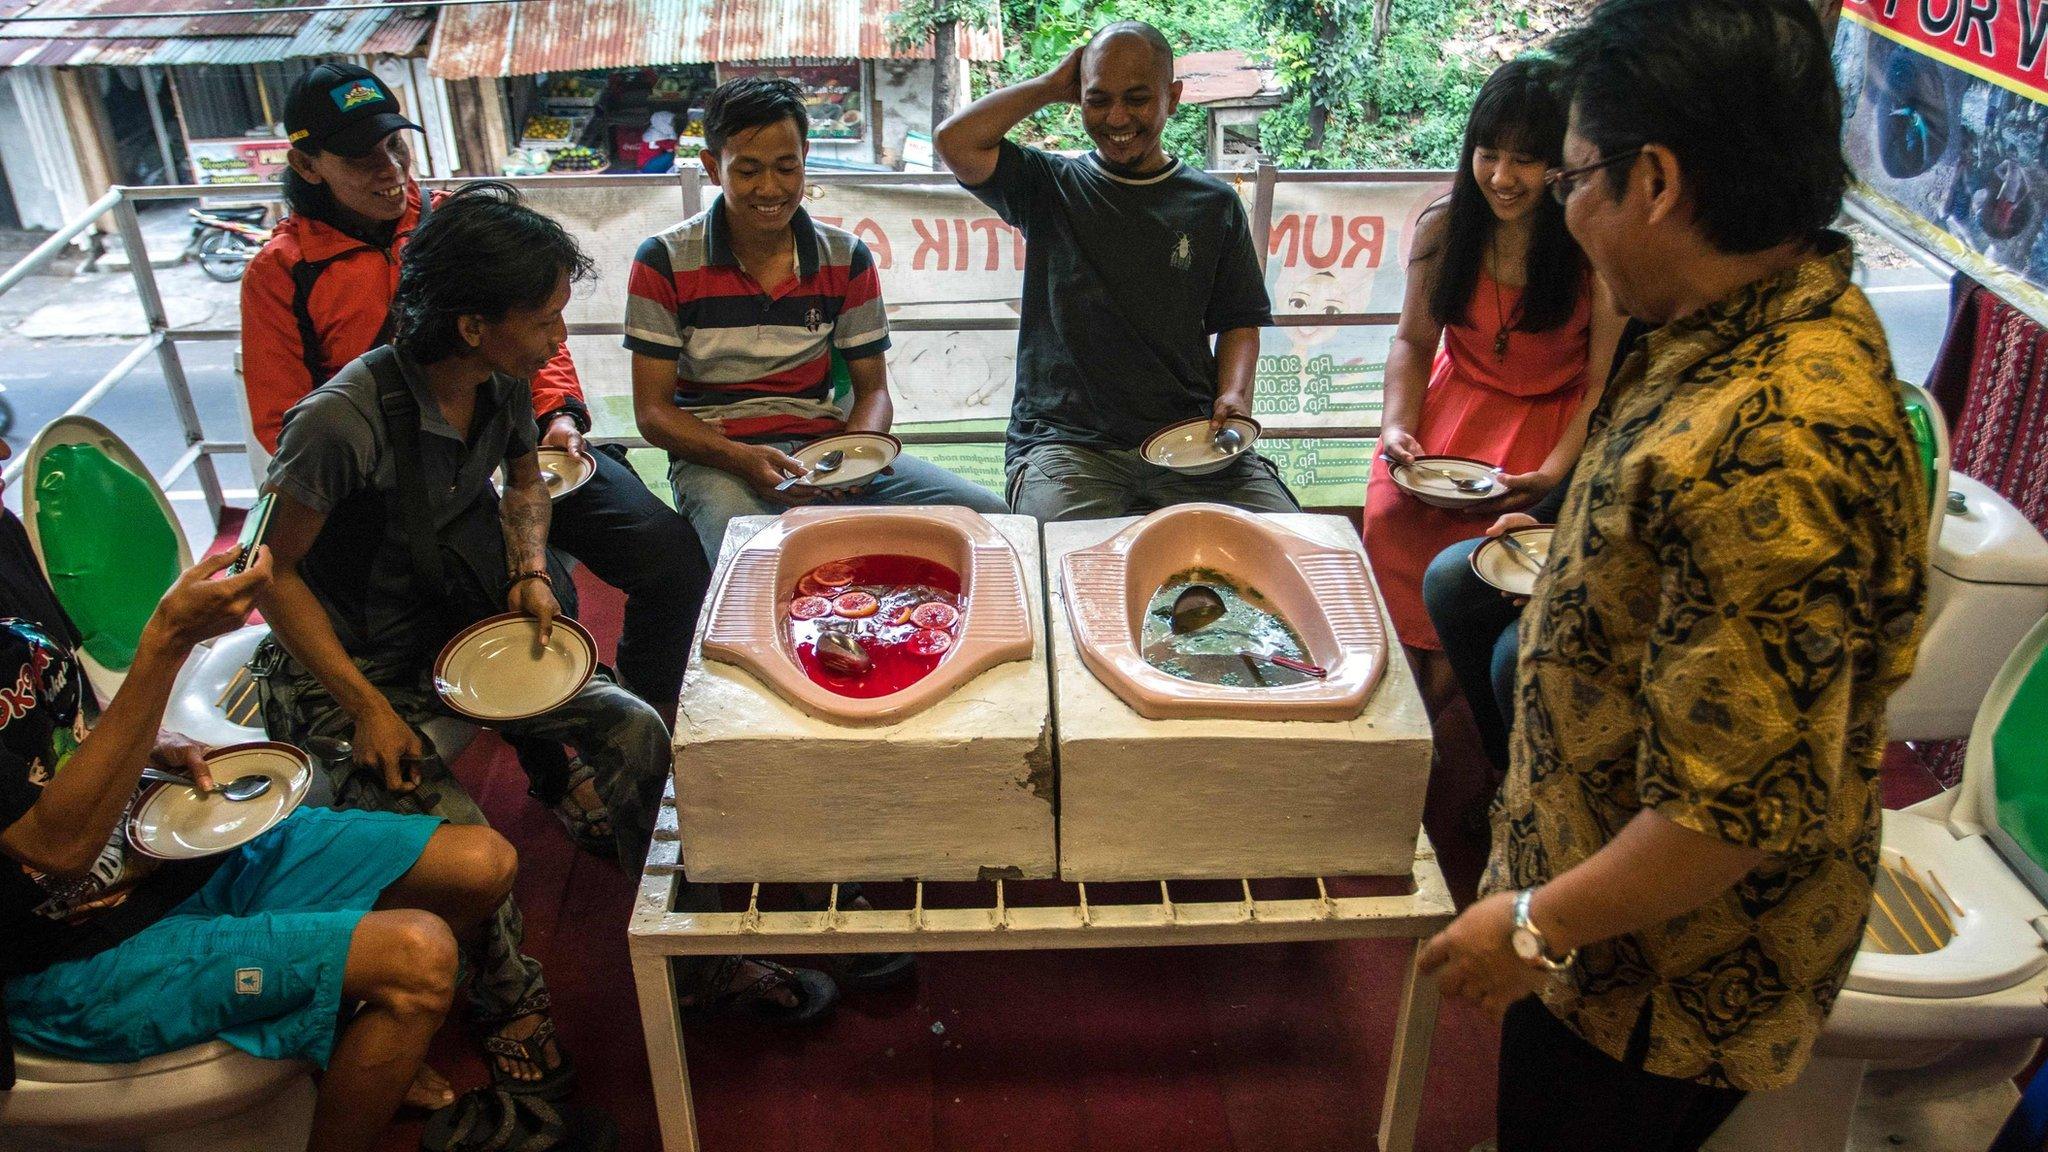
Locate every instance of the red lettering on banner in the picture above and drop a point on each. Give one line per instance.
(870, 233)
(960, 243)
(990, 227)
(2001, 41)
(1367, 235)
(1293, 238)
(929, 243)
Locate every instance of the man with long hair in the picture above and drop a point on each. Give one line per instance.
(319, 295)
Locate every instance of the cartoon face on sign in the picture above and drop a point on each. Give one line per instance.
(1315, 294)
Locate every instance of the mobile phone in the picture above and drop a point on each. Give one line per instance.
(254, 528)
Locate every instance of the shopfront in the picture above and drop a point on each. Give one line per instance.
(642, 109)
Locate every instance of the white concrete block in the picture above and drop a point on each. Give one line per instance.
(1204, 799)
(960, 791)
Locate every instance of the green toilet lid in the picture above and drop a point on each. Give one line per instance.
(105, 542)
(2019, 762)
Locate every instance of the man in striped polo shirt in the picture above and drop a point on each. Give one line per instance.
(732, 317)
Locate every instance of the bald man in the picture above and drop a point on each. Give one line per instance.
(1134, 264)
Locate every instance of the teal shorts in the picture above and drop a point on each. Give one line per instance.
(255, 957)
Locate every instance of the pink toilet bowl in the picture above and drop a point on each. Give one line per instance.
(1323, 592)
(749, 624)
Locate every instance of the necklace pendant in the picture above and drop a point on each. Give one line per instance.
(1500, 344)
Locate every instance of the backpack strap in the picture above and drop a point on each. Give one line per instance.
(402, 422)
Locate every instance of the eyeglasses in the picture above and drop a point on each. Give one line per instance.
(1562, 182)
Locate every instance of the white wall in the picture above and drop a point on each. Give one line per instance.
(38, 149)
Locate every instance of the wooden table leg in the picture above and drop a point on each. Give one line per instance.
(1413, 1027)
(660, 1020)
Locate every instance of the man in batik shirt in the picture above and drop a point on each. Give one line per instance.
(1684, 847)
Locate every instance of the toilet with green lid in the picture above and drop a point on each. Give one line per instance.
(1948, 996)
(110, 545)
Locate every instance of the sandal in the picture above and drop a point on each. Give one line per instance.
(863, 971)
(590, 828)
(717, 995)
(531, 1049)
(494, 1120)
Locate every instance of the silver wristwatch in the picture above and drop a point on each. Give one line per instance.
(1528, 940)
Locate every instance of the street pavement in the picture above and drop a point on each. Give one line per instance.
(55, 343)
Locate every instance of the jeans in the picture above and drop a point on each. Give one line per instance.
(620, 737)
(632, 541)
(1068, 482)
(711, 497)
(1478, 627)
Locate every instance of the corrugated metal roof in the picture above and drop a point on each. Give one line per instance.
(252, 39)
(570, 35)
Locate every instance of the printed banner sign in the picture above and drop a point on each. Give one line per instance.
(1333, 248)
(236, 161)
(2002, 41)
(1945, 122)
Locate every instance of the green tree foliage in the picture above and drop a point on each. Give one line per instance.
(1402, 106)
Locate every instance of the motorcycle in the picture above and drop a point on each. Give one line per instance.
(225, 239)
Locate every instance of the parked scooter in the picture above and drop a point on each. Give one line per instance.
(225, 239)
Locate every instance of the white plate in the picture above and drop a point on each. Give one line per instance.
(1436, 490)
(496, 669)
(179, 822)
(564, 471)
(1187, 446)
(866, 454)
(1493, 563)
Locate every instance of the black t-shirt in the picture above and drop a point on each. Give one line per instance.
(45, 920)
(1125, 281)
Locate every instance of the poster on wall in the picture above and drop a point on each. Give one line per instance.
(236, 161)
(832, 94)
(1945, 122)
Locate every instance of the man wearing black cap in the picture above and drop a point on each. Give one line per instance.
(317, 297)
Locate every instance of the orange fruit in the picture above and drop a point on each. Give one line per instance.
(854, 605)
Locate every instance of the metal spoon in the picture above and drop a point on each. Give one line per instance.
(1228, 440)
(826, 465)
(1197, 607)
(1521, 552)
(1466, 484)
(842, 655)
(241, 788)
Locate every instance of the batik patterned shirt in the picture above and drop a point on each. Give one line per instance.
(1735, 588)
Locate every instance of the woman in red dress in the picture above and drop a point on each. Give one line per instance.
(1502, 328)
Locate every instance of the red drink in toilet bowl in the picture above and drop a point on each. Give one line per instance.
(905, 611)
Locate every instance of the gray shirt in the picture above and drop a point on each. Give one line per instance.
(335, 456)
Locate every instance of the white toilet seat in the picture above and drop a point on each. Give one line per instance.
(1995, 945)
(175, 1089)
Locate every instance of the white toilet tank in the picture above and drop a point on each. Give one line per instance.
(1987, 587)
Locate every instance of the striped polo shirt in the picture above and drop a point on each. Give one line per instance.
(755, 364)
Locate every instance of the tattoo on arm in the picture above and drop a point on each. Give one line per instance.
(525, 513)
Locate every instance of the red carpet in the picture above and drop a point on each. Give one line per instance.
(1270, 1048)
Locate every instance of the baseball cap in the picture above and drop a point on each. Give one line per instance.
(341, 108)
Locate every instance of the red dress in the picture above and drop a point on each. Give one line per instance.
(1507, 410)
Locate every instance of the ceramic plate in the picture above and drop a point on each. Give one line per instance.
(179, 822)
(866, 454)
(1493, 563)
(1186, 446)
(564, 471)
(496, 669)
(1438, 491)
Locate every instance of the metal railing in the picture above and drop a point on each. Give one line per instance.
(163, 340)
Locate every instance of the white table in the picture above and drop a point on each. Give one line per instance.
(658, 935)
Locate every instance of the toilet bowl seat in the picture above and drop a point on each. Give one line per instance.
(1995, 946)
(745, 627)
(32, 1066)
(1325, 592)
